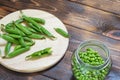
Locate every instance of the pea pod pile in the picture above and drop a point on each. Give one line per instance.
(90, 57)
(21, 33)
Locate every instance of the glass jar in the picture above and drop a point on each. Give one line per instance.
(85, 71)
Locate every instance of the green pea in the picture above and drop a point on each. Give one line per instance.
(93, 58)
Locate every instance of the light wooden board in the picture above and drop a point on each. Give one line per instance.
(59, 46)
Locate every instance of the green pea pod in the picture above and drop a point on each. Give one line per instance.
(15, 31)
(18, 52)
(10, 39)
(23, 29)
(20, 32)
(33, 22)
(27, 39)
(33, 27)
(36, 36)
(47, 33)
(12, 31)
(14, 35)
(32, 30)
(22, 42)
(62, 32)
(39, 20)
(17, 47)
(7, 48)
(39, 54)
(27, 44)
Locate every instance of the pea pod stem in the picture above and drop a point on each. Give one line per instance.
(39, 54)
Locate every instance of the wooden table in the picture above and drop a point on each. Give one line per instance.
(84, 19)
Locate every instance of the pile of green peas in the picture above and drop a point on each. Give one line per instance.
(84, 71)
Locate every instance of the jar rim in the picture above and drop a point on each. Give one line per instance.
(88, 65)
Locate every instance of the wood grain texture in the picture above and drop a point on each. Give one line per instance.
(77, 15)
(83, 23)
(6, 74)
(106, 5)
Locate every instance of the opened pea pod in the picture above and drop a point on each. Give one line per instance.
(39, 54)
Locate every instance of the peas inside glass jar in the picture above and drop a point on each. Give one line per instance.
(91, 61)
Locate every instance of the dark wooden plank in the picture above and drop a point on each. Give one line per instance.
(106, 5)
(78, 15)
(6, 74)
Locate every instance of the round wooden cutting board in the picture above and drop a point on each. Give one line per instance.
(59, 45)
